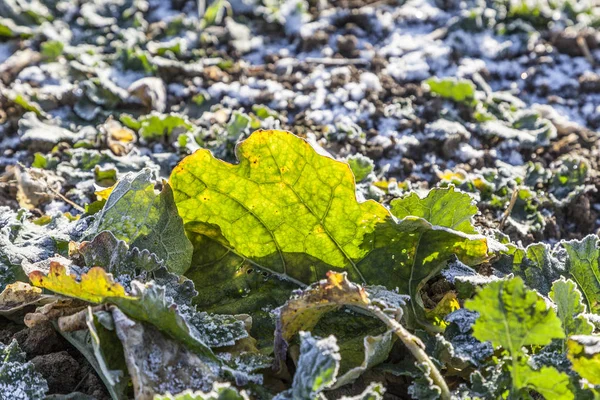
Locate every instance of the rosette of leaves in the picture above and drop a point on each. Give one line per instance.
(289, 212)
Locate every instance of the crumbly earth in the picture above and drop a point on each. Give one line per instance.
(87, 90)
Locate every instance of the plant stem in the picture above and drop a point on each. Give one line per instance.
(415, 346)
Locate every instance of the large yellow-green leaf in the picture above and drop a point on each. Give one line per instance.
(148, 303)
(292, 212)
(280, 205)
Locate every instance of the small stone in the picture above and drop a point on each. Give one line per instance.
(347, 45)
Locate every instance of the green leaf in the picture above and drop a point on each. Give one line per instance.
(452, 88)
(547, 381)
(300, 210)
(584, 353)
(317, 368)
(512, 316)
(443, 207)
(570, 308)
(18, 377)
(157, 125)
(136, 214)
(583, 266)
(52, 49)
(220, 391)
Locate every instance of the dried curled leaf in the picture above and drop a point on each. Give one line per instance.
(304, 310)
(148, 303)
(16, 296)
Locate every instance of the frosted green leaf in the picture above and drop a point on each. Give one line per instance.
(317, 368)
(584, 353)
(443, 207)
(103, 350)
(300, 210)
(157, 364)
(136, 214)
(568, 180)
(376, 350)
(18, 377)
(583, 266)
(220, 391)
(570, 308)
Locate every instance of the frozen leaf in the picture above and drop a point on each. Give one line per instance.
(317, 368)
(443, 207)
(570, 308)
(568, 180)
(452, 88)
(525, 216)
(152, 93)
(423, 387)
(42, 135)
(103, 350)
(306, 308)
(300, 208)
(218, 330)
(147, 303)
(512, 316)
(18, 378)
(459, 333)
(220, 391)
(528, 135)
(159, 365)
(584, 353)
(136, 214)
(297, 206)
(114, 255)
